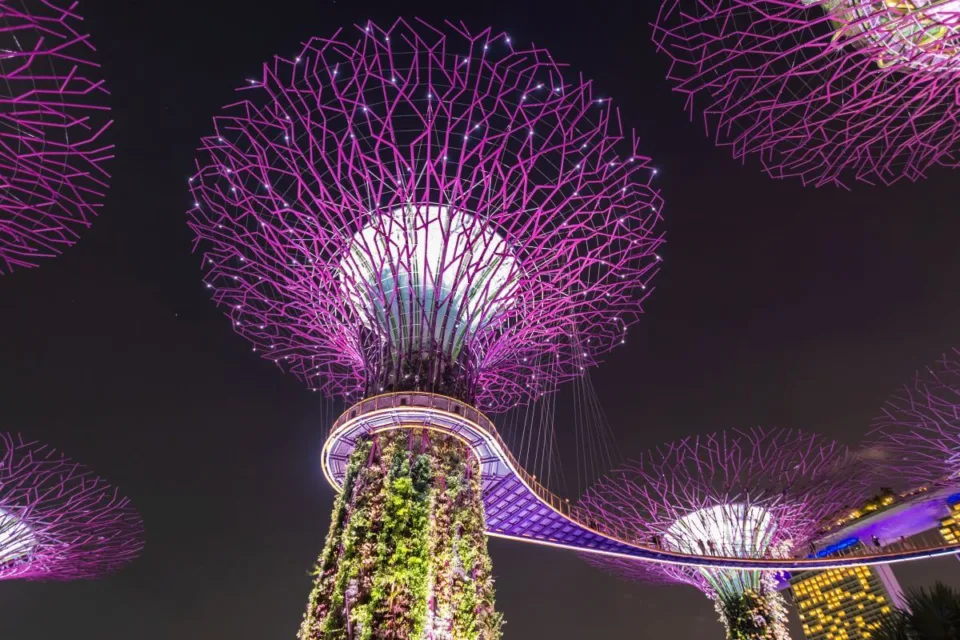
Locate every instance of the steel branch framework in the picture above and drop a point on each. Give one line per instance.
(52, 123)
(917, 435)
(824, 90)
(426, 209)
(758, 493)
(57, 520)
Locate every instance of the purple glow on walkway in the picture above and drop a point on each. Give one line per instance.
(899, 521)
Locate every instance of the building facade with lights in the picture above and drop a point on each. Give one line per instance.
(950, 526)
(845, 603)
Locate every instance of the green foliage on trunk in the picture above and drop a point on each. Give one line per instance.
(754, 614)
(744, 617)
(397, 604)
(406, 555)
(319, 604)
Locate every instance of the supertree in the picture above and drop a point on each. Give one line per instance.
(422, 210)
(824, 90)
(917, 434)
(58, 521)
(758, 493)
(52, 123)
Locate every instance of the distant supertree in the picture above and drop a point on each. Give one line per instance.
(57, 520)
(422, 210)
(52, 121)
(825, 90)
(758, 493)
(917, 434)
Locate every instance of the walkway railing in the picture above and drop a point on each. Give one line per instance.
(625, 543)
(451, 405)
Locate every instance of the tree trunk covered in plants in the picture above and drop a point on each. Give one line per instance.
(406, 554)
(754, 615)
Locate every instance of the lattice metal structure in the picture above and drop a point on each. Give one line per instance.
(917, 435)
(58, 521)
(829, 91)
(53, 118)
(426, 209)
(758, 493)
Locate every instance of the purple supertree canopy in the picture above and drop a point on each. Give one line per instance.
(57, 520)
(52, 121)
(753, 493)
(413, 207)
(825, 90)
(917, 435)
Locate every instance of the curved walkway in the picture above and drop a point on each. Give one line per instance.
(520, 508)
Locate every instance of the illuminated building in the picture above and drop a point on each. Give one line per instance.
(845, 603)
(950, 526)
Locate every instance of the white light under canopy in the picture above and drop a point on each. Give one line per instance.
(16, 538)
(426, 277)
(730, 530)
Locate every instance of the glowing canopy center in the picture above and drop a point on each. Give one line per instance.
(729, 530)
(16, 538)
(923, 34)
(427, 279)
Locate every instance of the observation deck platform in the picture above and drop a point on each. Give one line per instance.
(520, 508)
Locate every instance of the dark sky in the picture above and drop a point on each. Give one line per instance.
(777, 305)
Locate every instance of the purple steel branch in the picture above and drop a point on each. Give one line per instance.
(824, 90)
(57, 520)
(414, 189)
(52, 121)
(917, 435)
(766, 492)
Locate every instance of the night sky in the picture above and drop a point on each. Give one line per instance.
(777, 305)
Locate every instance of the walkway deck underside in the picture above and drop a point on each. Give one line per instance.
(517, 507)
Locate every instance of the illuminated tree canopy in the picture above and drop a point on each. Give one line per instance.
(57, 520)
(828, 91)
(917, 434)
(52, 122)
(421, 208)
(757, 493)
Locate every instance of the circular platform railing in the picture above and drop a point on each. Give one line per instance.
(519, 507)
(452, 405)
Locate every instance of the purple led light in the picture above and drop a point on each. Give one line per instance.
(825, 90)
(57, 520)
(917, 435)
(422, 208)
(758, 493)
(52, 121)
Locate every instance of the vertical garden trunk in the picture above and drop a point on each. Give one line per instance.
(406, 554)
(754, 614)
